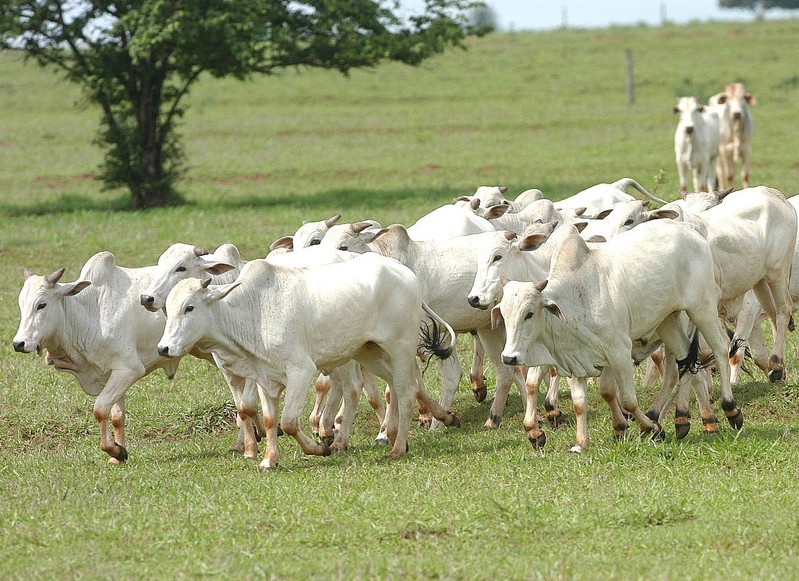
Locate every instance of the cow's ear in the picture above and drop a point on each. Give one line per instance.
(217, 267)
(496, 211)
(750, 99)
(74, 288)
(496, 318)
(580, 226)
(661, 214)
(702, 109)
(218, 292)
(676, 109)
(553, 308)
(603, 214)
(284, 242)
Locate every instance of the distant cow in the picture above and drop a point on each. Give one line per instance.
(736, 128)
(696, 144)
(95, 329)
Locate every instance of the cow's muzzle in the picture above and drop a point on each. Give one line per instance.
(19, 346)
(147, 301)
(510, 360)
(164, 351)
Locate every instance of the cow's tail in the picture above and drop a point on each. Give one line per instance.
(692, 363)
(625, 183)
(431, 337)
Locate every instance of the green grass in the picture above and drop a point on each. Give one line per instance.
(544, 110)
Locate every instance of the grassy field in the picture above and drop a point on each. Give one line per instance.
(544, 110)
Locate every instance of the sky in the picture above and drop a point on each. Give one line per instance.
(550, 14)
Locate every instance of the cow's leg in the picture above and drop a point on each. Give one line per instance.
(118, 421)
(654, 368)
(579, 391)
(557, 419)
(451, 373)
(716, 338)
(609, 392)
(327, 419)
(532, 426)
(493, 342)
(270, 397)
(245, 396)
(476, 373)
(321, 389)
(622, 372)
(775, 300)
(118, 383)
(346, 379)
(374, 395)
(298, 377)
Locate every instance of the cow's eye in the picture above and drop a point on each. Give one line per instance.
(180, 269)
(40, 306)
(629, 222)
(528, 315)
(315, 243)
(497, 258)
(189, 309)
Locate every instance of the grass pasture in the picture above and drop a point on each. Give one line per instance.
(544, 110)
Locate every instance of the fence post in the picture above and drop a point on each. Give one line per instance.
(630, 84)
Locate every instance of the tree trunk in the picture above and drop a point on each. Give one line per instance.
(152, 188)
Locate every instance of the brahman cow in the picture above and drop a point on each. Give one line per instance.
(696, 144)
(736, 128)
(446, 270)
(600, 197)
(278, 326)
(95, 329)
(597, 302)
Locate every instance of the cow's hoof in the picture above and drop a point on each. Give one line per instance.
(327, 441)
(237, 448)
(381, 440)
(557, 419)
(122, 455)
(775, 375)
(576, 449)
(454, 420)
(425, 423)
(267, 464)
(480, 394)
(538, 440)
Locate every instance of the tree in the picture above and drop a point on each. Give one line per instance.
(760, 6)
(137, 59)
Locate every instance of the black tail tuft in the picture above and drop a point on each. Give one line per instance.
(735, 344)
(431, 342)
(691, 362)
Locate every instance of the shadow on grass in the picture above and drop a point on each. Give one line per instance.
(342, 198)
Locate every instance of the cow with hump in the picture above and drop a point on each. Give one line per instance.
(278, 326)
(597, 302)
(95, 329)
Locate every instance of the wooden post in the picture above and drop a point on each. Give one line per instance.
(630, 84)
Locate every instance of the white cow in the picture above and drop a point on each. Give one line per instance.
(696, 144)
(597, 301)
(736, 130)
(95, 329)
(182, 261)
(279, 326)
(752, 234)
(448, 221)
(487, 197)
(309, 234)
(600, 197)
(446, 270)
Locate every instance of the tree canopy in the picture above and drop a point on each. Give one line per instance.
(137, 59)
(760, 5)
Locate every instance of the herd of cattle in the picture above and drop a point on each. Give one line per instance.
(585, 287)
(547, 290)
